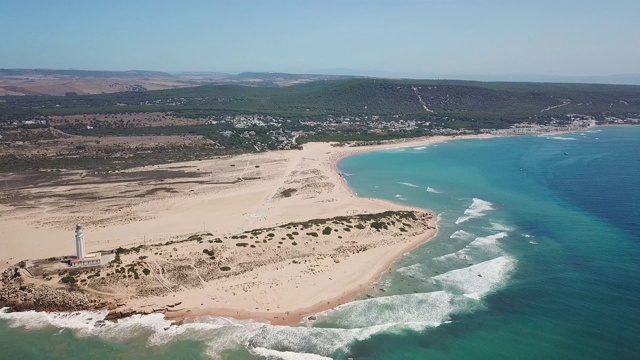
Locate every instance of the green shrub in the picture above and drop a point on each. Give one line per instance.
(68, 280)
(208, 252)
(378, 225)
(326, 231)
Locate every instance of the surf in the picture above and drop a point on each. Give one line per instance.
(478, 208)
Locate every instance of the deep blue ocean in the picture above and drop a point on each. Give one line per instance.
(537, 257)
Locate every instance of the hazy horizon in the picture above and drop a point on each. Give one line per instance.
(410, 38)
(613, 79)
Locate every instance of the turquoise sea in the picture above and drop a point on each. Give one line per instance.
(537, 257)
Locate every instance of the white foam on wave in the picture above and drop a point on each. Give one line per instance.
(477, 209)
(355, 321)
(408, 184)
(220, 334)
(501, 227)
(561, 138)
(462, 235)
(91, 323)
(323, 341)
(432, 190)
(34, 320)
(488, 240)
(416, 271)
(398, 196)
(339, 327)
(482, 244)
(422, 309)
(478, 280)
(419, 148)
(285, 355)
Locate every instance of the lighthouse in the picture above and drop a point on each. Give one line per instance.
(80, 249)
(82, 258)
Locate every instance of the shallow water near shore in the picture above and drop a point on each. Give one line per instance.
(538, 256)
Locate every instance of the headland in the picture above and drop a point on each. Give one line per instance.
(274, 236)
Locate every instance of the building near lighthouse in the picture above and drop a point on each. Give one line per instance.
(82, 258)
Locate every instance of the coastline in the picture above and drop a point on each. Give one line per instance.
(325, 157)
(294, 317)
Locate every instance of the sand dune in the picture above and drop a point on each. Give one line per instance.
(220, 197)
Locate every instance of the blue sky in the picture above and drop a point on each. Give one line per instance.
(436, 37)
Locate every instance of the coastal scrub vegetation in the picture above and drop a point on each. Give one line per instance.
(234, 119)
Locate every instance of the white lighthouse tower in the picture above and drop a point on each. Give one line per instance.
(80, 249)
(82, 258)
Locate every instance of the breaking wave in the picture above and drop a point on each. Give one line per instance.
(408, 184)
(285, 355)
(561, 138)
(432, 190)
(479, 249)
(478, 280)
(462, 235)
(334, 331)
(500, 227)
(477, 209)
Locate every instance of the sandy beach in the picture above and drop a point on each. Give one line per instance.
(217, 198)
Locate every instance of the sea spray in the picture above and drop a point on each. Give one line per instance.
(408, 184)
(478, 280)
(285, 355)
(478, 208)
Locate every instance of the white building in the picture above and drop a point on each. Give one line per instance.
(82, 258)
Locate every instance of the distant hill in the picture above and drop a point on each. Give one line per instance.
(85, 82)
(84, 73)
(269, 76)
(465, 103)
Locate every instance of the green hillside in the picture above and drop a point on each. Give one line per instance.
(475, 104)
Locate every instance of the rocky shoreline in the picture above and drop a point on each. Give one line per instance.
(18, 296)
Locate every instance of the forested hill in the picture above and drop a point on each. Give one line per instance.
(112, 131)
(495, 104)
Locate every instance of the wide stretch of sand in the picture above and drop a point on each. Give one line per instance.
(223, 197)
